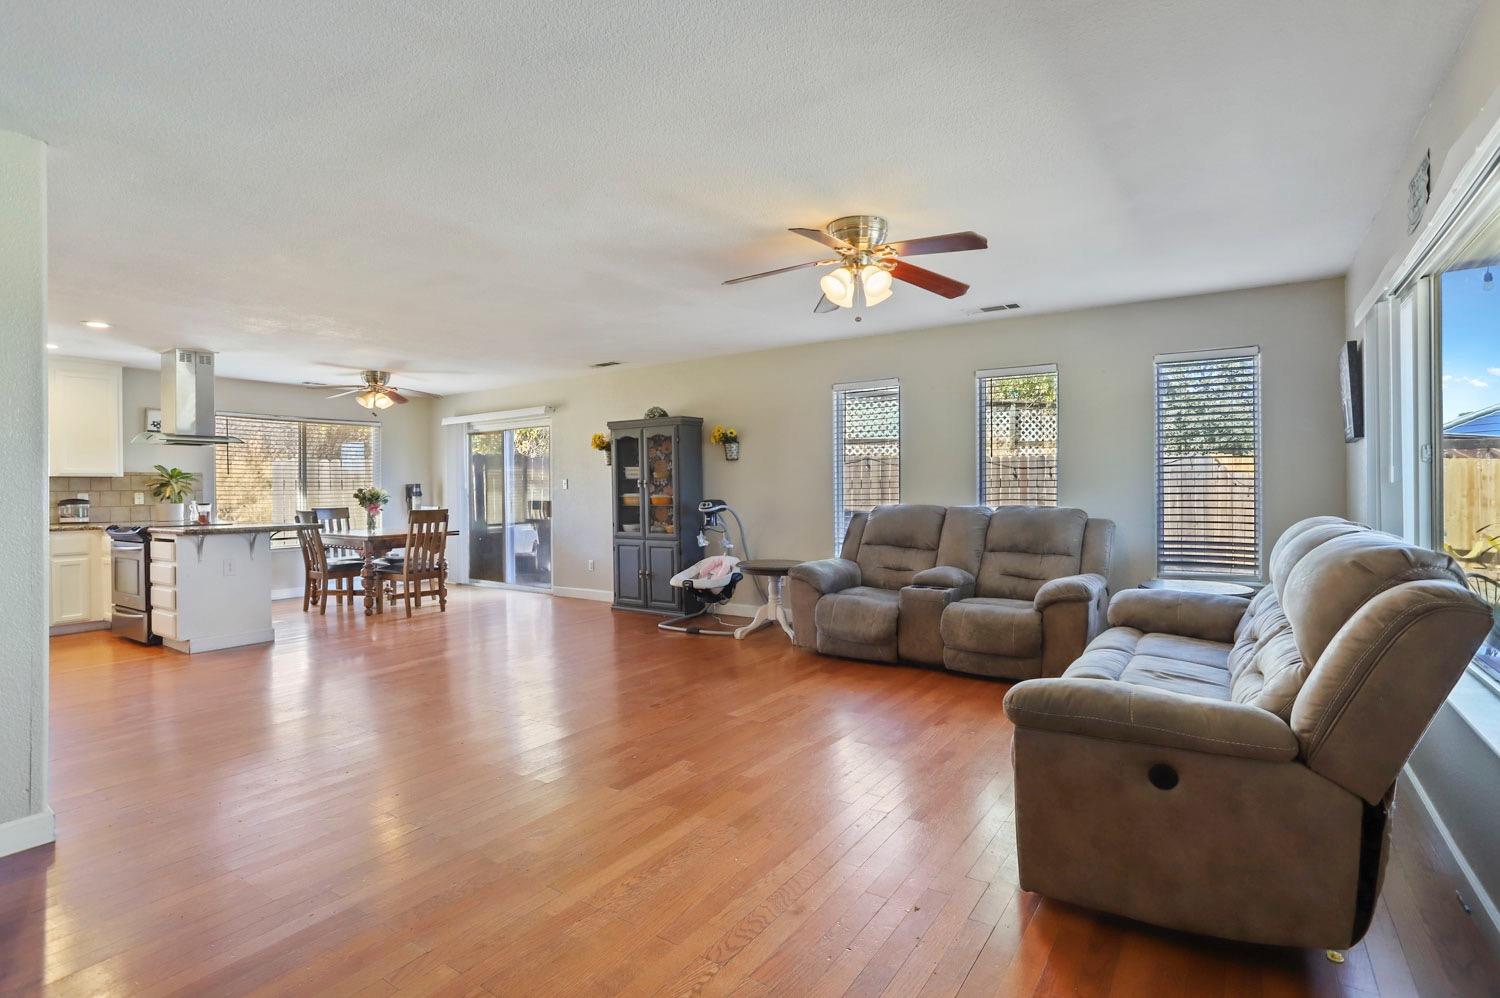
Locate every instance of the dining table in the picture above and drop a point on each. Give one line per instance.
(370, 545)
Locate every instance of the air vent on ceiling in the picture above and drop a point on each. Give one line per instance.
(998, 308)
(606, 363)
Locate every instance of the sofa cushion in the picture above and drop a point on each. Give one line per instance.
(1301, 538)
(1026, 546)
(897, 543)
(863, 615)
(1008, 627)
(1160, 661)
(1334, 580)
(1265, 668)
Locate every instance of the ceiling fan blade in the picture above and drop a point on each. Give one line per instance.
(347, 391)
(819, 236)
(952, 242)
(396, 396)
(824, 305)
(780, 270)
(927, 280)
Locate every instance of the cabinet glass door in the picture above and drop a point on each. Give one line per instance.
(661, 477)
(626, 464)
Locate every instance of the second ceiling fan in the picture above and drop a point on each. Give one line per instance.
(867, 264)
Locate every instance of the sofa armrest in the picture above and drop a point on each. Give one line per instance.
(1071, 589)
(945, 577)
(830, 575)
(1168, 611)
(1124, 712)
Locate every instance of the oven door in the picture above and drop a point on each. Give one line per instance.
(128, 568)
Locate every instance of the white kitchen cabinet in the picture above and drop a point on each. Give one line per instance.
(71, 589)
(78, 579)
(85, 419)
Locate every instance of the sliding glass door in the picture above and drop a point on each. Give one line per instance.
(510, 506)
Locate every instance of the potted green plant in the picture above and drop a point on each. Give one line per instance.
(172, 487)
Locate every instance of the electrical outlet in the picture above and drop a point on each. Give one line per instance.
(228, 566)
(591, 564)
(140, 498)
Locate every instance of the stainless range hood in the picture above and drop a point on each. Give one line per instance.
(187, 402)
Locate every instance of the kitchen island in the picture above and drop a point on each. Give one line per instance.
(211, 584)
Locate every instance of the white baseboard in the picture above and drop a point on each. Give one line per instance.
(598, 595)
(1483, 905)
(219, 642)
(28, 832)
(286, 593)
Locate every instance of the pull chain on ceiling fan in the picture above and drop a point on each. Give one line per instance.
(867, 264)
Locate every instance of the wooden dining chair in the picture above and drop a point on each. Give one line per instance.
(336, 520)
(321, 574)
(424, 569)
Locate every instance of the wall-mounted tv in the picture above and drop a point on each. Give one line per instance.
(1352, 390)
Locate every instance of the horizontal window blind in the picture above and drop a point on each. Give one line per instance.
(866, 450)
(1208, 464)
(286, 465)
(1017, 419)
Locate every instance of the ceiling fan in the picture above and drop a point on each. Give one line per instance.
(376, 392)
(867, 264)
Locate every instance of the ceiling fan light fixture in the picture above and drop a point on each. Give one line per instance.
(877, 282)
(383, 401)
(838, 286)
(368, 398)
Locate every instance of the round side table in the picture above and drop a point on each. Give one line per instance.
(1210, 586)
(774, 571)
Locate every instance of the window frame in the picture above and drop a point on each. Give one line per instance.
(302, 422)
(1188, 356)
(979, 410)
(841, 526)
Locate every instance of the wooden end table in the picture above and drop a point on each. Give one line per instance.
(774, 571)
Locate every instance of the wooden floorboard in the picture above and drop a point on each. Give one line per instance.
(536, 796)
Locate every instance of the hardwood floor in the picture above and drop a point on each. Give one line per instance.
(529, 796)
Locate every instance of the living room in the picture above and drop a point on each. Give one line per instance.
(598, 530)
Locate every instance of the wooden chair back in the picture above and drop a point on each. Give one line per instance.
(426, 540)
(334, 519)
(314, 557)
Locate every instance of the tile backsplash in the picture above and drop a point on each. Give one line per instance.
(111, 500)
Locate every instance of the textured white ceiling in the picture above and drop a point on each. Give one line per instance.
(489, 192)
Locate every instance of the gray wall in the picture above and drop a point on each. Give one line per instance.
(780, 401)
(23, 454)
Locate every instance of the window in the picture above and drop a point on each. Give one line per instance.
(289, 464)
(1469, 393)
(866, 450)
(1017, 417)
(1208, 463)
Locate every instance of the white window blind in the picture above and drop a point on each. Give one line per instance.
(1208, 464)
(866, 450)
(286, 465)
(1017, 419)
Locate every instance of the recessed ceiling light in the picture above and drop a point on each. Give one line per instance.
(51, 346)
(96, 324)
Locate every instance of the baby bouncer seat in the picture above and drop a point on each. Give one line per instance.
(712, 581)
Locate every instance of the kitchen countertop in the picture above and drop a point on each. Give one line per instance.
(215, 529)
(76, 526)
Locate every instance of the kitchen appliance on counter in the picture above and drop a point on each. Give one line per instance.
(73, 510)
(130, 574)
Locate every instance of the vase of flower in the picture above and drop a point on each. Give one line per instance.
(729, 438)
(600, 441)
(372, 500)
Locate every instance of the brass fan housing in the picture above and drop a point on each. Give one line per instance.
(863, 232)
